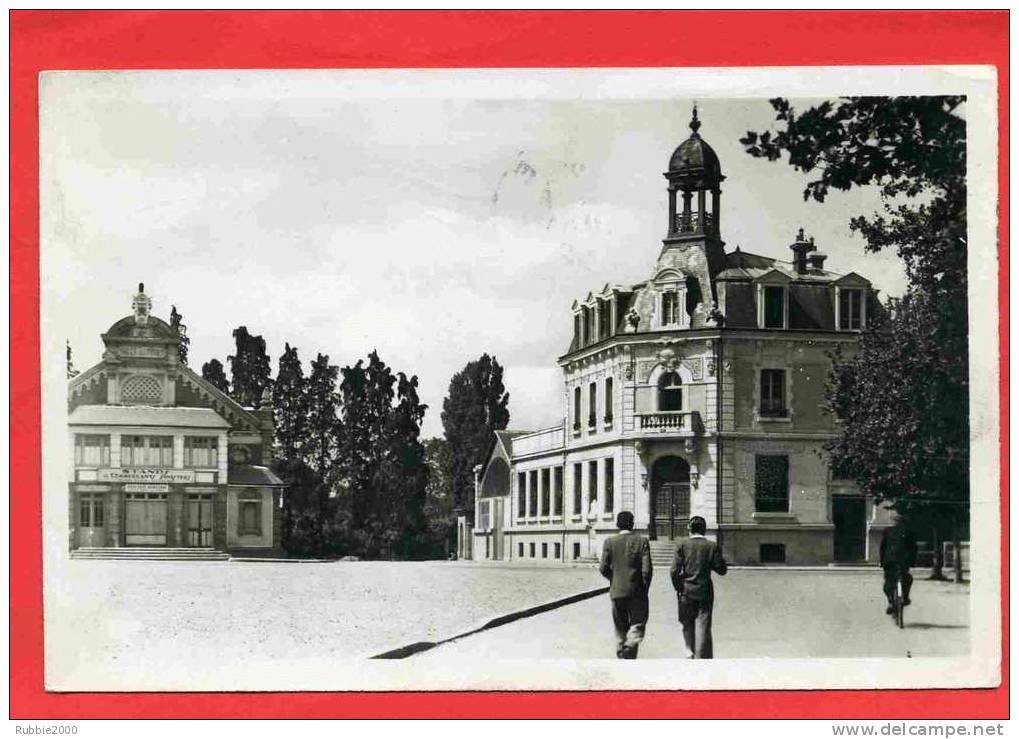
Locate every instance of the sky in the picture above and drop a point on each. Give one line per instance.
(423, 221)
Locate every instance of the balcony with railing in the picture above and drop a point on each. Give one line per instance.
(671, 422)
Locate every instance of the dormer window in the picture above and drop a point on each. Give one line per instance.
(588, 325)
(774, 306)
(670, 308)
(851, 310)
(603, 319)
(670, 300)
(670, 392)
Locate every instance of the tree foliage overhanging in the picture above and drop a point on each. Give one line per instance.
(902, 400)
(912, 148)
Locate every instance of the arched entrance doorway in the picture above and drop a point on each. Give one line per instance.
(670, 497)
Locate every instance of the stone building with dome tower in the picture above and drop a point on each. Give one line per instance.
(695, 392)
(162, 463)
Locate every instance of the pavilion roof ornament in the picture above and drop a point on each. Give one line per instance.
(141, 305)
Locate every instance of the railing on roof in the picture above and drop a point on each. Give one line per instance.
(540, 441)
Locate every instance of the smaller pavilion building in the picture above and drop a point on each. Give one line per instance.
(161, 457)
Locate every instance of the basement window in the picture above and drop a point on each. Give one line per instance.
(772, 553)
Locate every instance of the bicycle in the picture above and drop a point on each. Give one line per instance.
(898, 604)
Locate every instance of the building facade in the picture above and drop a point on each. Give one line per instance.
(161, 457)
(696, 392)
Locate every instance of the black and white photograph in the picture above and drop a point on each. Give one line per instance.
(520, 379)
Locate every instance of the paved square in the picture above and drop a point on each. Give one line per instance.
(758, 613)
(144, 620)
(159, 623)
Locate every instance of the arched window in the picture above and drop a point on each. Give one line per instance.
(670, 392)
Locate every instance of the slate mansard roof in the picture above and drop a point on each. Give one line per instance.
(811, 294)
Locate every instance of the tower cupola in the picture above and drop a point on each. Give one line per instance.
(694, 171)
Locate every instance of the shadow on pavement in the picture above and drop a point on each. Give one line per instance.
(407, 651)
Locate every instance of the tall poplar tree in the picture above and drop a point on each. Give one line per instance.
(407, 471)
(212, 371)
(249, 368)
(323, 430)
(290, 405)
(356, 445)
(381, 458)
(474, 409)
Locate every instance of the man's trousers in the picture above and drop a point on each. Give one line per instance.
(695, 617)
(629, 616)
(892, 577)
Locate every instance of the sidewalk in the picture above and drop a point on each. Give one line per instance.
(757, 614)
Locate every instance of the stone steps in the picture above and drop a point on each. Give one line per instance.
(202, 554)
(661, 552)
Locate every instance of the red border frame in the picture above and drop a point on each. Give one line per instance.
(43, 40)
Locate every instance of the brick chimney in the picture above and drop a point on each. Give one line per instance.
(801, 247)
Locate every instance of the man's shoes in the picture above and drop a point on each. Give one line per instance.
(620, 653)
(890, 610)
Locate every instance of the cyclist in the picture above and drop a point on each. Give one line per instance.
(898, 554)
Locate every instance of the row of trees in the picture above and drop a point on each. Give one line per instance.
(902, 400)
(347, 441)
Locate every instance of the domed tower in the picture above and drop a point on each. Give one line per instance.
(694, 170)
(693, 238)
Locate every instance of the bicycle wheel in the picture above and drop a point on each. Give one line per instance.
(900, 609)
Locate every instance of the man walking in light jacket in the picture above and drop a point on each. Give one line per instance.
(626, 562)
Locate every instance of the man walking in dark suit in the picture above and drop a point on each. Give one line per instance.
(692, 565)
(626, 562)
